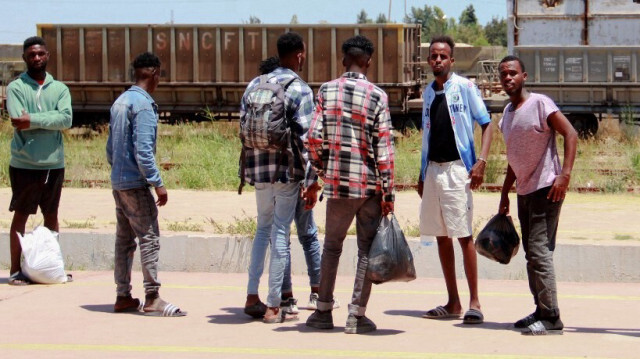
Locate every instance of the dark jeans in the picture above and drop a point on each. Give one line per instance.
(340, 213)
(539, 222)
(137, 216)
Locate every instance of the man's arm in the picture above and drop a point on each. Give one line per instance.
(510, 178)
(315, 138)
(144, 139)
(58, 119)
(559, 122)
(16, 107)
(384, 155)
(477, 171)
(480, 114)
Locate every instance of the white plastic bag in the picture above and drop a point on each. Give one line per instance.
(42, 257)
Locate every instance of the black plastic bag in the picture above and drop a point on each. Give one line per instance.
(498, 240)
(390, 259)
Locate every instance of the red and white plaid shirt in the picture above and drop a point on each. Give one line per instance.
(350, 139)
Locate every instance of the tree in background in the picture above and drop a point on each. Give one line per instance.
(466, 29)
(496, 31)
(253, 20)
(294, 20)
(468, 16)
(433, 20)
(381, 19)
(363, 18)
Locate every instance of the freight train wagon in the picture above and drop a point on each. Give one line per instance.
(209, 66)
(585, 54)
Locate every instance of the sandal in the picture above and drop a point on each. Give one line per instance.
(538, 328)
(127, 304)
(18, 279)
(440, 312)
(473, 316)
(275, 315)
(168, 310)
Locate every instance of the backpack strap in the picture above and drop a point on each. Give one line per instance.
(243, 165)
(287, 149)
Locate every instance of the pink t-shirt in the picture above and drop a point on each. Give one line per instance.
(531, 143)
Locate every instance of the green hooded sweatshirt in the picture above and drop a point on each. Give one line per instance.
(40, 146)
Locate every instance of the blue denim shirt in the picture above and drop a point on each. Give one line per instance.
(131, 146)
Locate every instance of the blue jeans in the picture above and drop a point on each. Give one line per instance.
(277, 206)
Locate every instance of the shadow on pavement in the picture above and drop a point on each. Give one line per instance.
(302, 328)
(235, 315)
(406, 313)
(489, 326)
(103, 308)
(614, 331)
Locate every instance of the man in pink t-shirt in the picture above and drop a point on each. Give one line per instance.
(529, 125)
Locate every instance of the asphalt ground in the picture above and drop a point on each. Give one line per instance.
(75, 320)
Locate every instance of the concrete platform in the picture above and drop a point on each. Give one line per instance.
(75, 320)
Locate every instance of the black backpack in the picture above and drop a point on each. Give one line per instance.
(265, 125)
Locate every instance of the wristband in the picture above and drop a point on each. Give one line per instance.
(482, 159)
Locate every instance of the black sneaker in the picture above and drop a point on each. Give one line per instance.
(320, 320)
(359, 325)
(526, 321)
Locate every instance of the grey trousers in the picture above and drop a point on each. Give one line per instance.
(539, 222)
(340, 213)
(137, 216)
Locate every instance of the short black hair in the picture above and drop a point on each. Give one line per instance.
(509, 58)
(444, 39)
(290, 42)
(357, 46)
(33, 40)
(268, 65)
(146, 59)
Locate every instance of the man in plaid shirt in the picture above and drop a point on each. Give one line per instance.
(351, 147)
(276, 202)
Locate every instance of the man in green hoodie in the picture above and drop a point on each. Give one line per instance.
(39, 107)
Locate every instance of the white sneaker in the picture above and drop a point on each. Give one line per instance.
(290, 306)
(313, 302)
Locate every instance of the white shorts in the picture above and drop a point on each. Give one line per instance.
(447, 206)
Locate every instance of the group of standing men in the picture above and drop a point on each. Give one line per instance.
(344, 138)
(349, 145)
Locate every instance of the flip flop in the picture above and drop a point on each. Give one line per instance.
(134, 305)
(440, 312)
(169, 310)
(281, 317)
(473, 316)
(538, 328)
(18, 279)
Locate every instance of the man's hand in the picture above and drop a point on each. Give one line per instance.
(559, 188)
(420, 188)
(310, 195)
(387, 207)
(503, 207)
(477, 174)
(22, 122)
(163, 196)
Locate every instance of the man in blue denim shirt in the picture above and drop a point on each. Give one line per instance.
(131, 151)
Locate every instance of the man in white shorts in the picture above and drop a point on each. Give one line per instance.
(449, 172)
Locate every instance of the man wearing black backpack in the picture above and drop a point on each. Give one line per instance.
(275, 113)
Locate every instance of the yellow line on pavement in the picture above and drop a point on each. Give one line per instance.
(268, 351)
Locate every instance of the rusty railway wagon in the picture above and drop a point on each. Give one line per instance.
(585, 54)
(209, 66)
